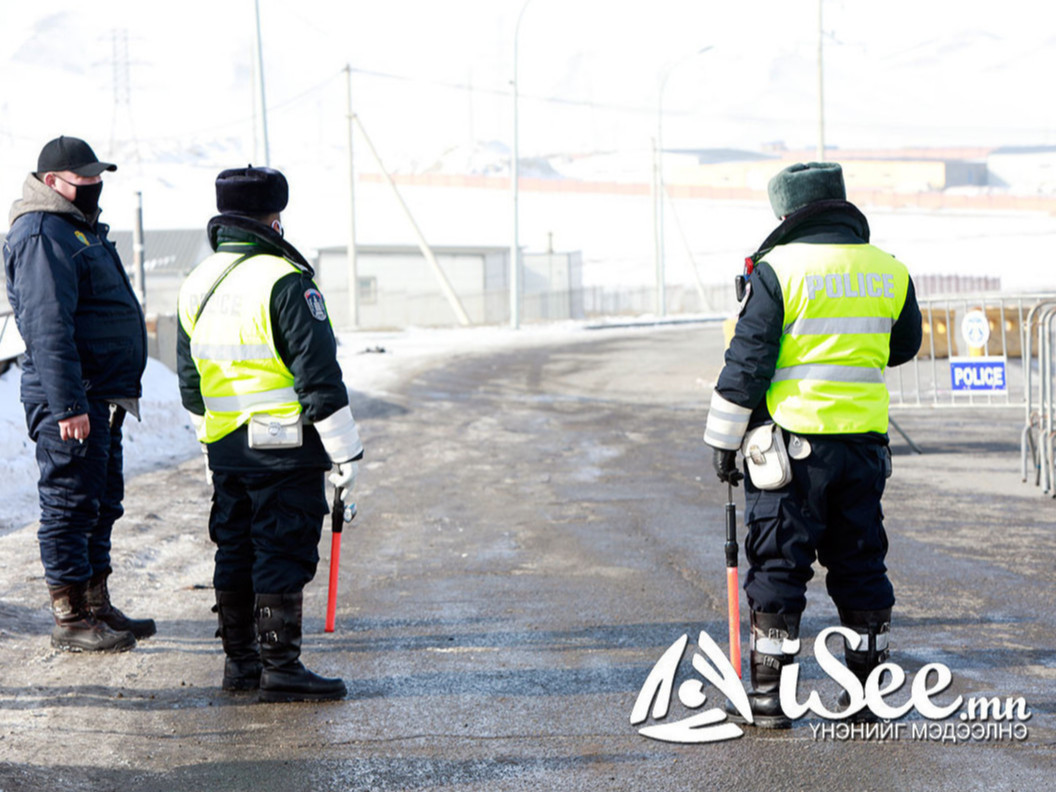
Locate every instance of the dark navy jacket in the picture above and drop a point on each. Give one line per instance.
(74, 306)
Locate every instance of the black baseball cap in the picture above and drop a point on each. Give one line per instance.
(71, 154)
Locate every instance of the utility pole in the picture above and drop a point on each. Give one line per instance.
(137, 252)
(515, 175)
(821, 92)
(353, 274)
(259, 93)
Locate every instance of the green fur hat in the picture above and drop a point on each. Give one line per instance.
(801, 184)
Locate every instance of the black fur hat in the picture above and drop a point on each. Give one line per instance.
(799, 184)
(251, 191)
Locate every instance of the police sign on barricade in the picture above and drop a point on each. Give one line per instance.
(989, 350)
(986, 374)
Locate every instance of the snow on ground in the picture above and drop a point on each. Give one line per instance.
(165, 437)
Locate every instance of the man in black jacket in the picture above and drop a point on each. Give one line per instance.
(85, 355)
(824, 314)
(258, 370)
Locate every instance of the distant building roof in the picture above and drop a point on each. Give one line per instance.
(176, 250)
(716, 156)
(1024, 150)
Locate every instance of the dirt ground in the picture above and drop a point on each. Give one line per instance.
(536, 527)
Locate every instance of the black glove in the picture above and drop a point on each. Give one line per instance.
(726, 466)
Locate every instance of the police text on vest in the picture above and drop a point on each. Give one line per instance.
(849, 284)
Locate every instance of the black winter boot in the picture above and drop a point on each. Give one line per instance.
(873, 627)
(238, 632)
(98, 598)
(767, 657)
(76, 629)
(284, 677)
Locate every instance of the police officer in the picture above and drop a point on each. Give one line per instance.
(86, 350)
(824, 314)
(258, 372)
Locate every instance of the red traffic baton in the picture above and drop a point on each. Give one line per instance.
(339, 515)
(733, 602)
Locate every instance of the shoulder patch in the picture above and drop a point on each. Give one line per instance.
(316, 304)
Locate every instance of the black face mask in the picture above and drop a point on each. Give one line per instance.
(86, 197)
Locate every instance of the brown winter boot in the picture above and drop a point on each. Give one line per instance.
(238, 632)
(98, 599)
(76, 629)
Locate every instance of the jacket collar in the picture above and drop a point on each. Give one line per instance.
(39, 197)
(818, 217)
(232, 228)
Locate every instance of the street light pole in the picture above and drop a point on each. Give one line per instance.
(658, 209)
(515, 242)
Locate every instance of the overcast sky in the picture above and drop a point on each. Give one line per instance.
(433, 73)
(166, 89)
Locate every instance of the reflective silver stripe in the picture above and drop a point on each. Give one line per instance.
(229, 352)
(774, 646)
(726, 423)
(882, 641)
(833, 325)
(830, 373)
(728, 442)
(245, 401)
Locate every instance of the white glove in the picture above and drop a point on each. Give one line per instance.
(343, 476)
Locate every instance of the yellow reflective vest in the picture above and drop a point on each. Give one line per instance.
(232, 342)
(840, 303)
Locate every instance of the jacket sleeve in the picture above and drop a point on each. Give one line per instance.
(190, 381)
(307, 346)
(750, 363)
(907, 332)
(752, 355)
(46, 280)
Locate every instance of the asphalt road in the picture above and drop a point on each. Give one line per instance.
(535, 529)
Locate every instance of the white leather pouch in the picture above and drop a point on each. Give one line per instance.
(767, 457)
(269, 431)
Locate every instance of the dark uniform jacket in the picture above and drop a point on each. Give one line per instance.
(74, 306)
(752, 355)
(305, 343)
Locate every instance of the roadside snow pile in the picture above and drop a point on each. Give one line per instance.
(163, 437)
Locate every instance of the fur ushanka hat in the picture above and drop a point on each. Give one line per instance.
(801, 184)
(251, 191)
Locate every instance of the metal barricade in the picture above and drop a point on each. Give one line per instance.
(1038, 440)
(1017, 341)
(927, 380)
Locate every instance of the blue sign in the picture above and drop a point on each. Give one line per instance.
(978, 374)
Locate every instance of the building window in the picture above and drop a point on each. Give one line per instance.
(368, 291)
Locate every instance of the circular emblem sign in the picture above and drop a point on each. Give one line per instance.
(975, 329)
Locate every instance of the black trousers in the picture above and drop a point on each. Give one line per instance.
(830, 511)
(266, 527)
(81, 487)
